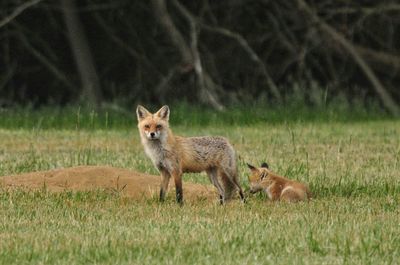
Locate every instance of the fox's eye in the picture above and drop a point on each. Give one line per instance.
(147, 126)
(158, 126)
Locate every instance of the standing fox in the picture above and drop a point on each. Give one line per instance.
(174, 155)
(276, 187)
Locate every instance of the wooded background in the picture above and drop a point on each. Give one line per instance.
(213, 53)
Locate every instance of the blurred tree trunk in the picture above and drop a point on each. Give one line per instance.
(91, 91)
(190, 54)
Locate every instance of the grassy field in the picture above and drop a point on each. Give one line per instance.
(351, 166)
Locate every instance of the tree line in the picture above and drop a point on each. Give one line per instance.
(206, 52)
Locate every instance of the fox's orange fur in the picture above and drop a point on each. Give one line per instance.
(277, 187)
(173, 155)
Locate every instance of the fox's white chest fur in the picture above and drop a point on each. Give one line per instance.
(268, 192)
(157, 153)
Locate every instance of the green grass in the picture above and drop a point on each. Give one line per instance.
(112, 117)
(352, 168)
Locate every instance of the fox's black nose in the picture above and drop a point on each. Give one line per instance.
(152, 134)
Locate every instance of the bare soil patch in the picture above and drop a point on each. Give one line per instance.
(85, 178)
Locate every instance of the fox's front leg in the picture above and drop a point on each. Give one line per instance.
(164, 183)
(178, 186)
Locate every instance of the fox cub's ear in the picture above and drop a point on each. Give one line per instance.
(141, 112)
(163, 113)
(252, 168)
(264, 164)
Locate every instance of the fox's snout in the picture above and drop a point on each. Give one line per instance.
(153, 135)
(254, 189)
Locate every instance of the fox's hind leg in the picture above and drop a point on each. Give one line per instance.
(178, 187)
(231, 184)
(242, 198)
(213, 176)
(290, 194)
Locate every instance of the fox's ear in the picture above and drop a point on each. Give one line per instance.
(163, 113)
(264, 164)
(252, 168)
(141, 112)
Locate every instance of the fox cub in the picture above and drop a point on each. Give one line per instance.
(276, 187)
(173, 155)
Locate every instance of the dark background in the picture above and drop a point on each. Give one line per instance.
(211, 53)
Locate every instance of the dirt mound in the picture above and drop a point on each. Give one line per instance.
(84, 178)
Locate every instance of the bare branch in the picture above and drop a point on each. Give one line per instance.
(18, 11)
(253, 55)
(190, 55)
(169, 26)
(47, 63)
(206, 84)
(7, 76)
(89, 8)
(366, 10)
(380, 58)
(347, 45)
(125, 46)
(160, 88)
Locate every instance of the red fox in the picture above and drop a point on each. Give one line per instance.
(174, 155)
(276, 187)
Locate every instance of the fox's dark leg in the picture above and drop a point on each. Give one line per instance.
(231, 181)
(178, 187)
(164, 184)
(242, 198)
(213, 176)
